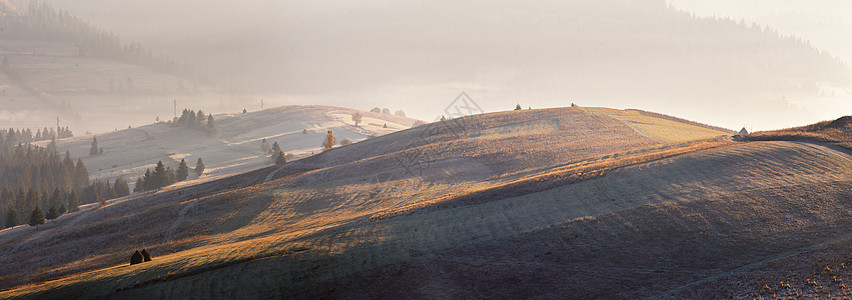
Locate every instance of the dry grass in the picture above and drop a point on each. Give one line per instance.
(610, 216)
(837, 133)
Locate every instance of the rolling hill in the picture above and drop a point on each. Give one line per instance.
(558, 203)
(234, 147)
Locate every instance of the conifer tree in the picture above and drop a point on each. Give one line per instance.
(36, 217)
(276, 148)
(147, 181)
(52, 213)
(182, 171)
(140, 185)
(73, 202)
(56, 198)
(199, 167)
(159, 176)
(11, 218)
(280, 158)
(211, 124)
(81, 174)
(120, 187)
(94, 149)
(62, 209)
(32, 198)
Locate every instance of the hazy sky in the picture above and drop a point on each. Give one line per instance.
(418, 56)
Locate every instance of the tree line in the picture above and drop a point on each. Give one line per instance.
(33, 179)
(163, 176)
(26, 135)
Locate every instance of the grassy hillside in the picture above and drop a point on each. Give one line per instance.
(561, 202)
(235, 146)
(834, 132)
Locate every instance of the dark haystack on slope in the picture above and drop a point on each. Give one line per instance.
(136, 258)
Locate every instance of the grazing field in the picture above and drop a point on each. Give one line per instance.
(533, 203)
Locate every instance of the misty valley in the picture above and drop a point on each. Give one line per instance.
(607, 149)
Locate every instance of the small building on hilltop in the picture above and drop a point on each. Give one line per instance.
(743, 131)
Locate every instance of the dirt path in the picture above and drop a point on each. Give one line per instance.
(171, 231)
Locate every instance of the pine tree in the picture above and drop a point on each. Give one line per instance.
(518, 107)
(56, 198)
(52, 213)
(280, 158)
(62, 209)
(94, 149)
(81, 174)
(147, 181)
(36, 217)
(32, 198)
(73, 202)
(140, 185)
(275, 148)
(328, 143)
(11, 218)
(159, 176)
(182, 171)
(199, 118)
(120, 187)
(211, 124)
(199, 167)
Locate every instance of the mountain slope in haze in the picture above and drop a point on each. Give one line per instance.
(607, 53)
(651, 216)
(234, 148)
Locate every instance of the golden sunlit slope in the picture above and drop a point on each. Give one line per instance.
(637, 219)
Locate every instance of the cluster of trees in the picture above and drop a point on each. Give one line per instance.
(387, 111)
(164, 176)
(26, 135)
(42, 22)
(196, 120)
(27, 173)
(57, 202)
(277, 155)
